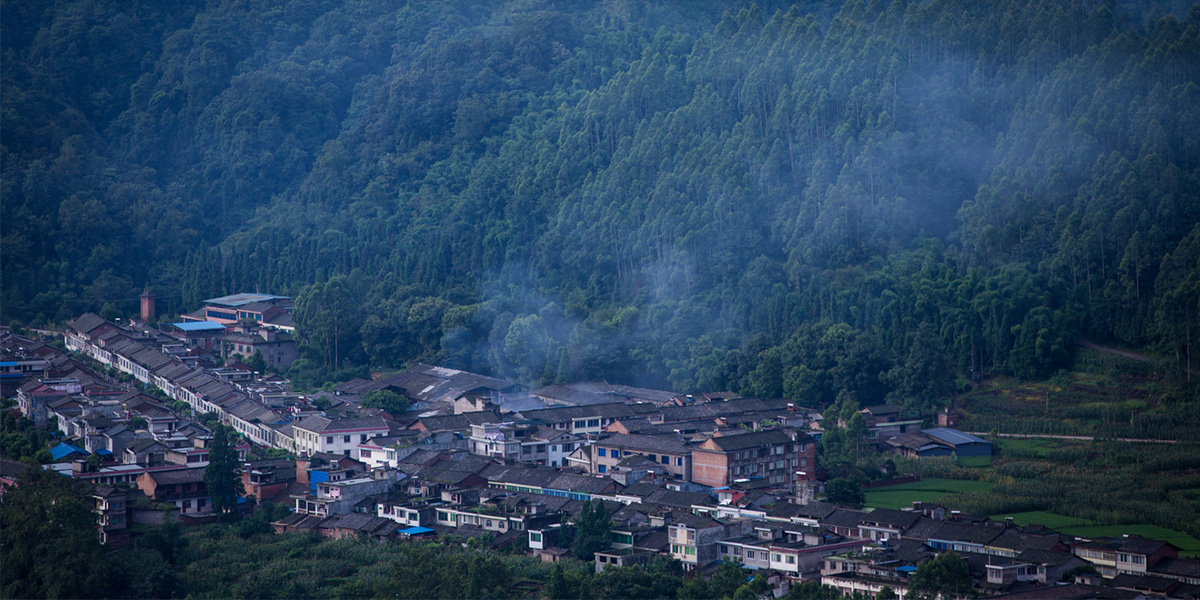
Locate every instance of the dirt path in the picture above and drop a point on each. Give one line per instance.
(1081, 438)
(1127, 354)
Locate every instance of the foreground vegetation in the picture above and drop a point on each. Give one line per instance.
(46, 524)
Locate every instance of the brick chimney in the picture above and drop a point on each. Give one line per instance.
(148, 306)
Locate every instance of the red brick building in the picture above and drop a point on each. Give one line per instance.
(774, 454)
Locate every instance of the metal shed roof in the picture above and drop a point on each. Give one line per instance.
(953, 436)
(198, 326)
(243, 299)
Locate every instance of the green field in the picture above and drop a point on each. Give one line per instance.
(1038, 446)
(975, 462)
(1041, 517)
(926, 490)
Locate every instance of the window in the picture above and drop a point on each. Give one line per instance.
(365, 453)
(791, 560)
(666, 460)
(345, 439)
(679, 461)
(535, 536)
(593, 422)
(601, 452)
(362, 438)
(603, 468)
(329, 439)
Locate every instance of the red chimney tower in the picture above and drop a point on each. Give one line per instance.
(148, 306)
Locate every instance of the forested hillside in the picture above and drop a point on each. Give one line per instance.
(778, 199)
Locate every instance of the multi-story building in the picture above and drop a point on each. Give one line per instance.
(265, 309)
(774, 454)
(277, 348)
(335, 436)
(112, 515)
(339, 497)
(522, 443)
(185, 488)
(673, 454)
(695, 540)
(1131, 554)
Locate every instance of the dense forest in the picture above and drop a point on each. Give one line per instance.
(785, 199)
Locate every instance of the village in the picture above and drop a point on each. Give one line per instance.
(705, 479)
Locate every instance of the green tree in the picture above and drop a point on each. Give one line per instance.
(945, 576)
(592, 530)
(386, 400)
(257, 363)
(224, 473)
(844, 491)
(47, 522)
(812, 590)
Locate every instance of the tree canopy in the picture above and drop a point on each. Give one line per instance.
(223, 475)
(778, 198)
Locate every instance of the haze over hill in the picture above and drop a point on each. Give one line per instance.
(783, 200)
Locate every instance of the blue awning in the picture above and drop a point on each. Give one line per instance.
(415, 530)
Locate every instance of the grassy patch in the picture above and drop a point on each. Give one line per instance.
(926, 490)
(1041, 517)
(1183, 541)
(975, 462)
(1028, 446)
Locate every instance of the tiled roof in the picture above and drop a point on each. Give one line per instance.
(1140, 545)
(892, 518)
(971, 534)
(730, 443)
(1178, 567)
(190, 475)
(86, 323)
(642, 443)
(320, 424)
(566, 414)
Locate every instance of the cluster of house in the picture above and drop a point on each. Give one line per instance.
(459, 494)
(703, 479)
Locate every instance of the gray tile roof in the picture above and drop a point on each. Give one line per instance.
(645, 443)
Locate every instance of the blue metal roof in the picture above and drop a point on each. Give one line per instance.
(415, 530)
(953, 436)
(62, 450)
(199, 326)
